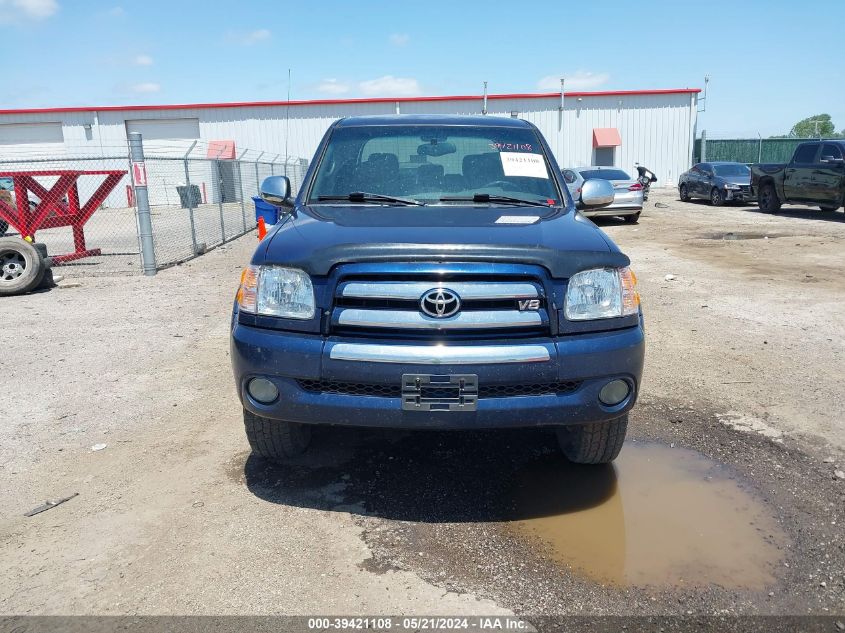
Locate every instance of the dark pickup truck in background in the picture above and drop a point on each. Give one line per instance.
(815, 176)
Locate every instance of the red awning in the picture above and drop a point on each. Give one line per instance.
(221, 149)
(606, 137)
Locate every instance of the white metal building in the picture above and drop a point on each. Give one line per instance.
(652, 127)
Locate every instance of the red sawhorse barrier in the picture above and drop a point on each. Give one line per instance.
(58, 206)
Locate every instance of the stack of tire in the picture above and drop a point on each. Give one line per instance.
(24, 267)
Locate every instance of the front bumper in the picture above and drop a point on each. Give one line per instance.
(292, 361)
(738, 195)
(611, 211)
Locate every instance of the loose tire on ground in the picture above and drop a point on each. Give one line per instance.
(594, 443)
(684, 193)
(22, 266)
(276, 440)
(767, 199)
(632, 219)
(717, 198)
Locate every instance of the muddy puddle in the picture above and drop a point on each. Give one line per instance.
(744, 235)
(659, 516)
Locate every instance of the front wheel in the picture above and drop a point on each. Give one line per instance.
(717, 198)
(684, 193)
(633, 218)
(593, 443)
(767, 199)
(276, 440)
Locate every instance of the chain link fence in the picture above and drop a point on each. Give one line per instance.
(747, 150)
(84, 207)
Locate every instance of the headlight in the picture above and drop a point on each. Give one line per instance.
(276, 291)
(601, 293)
(734, 187)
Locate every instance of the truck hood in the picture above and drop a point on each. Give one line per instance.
(319, 238)
(736, 180)
(768, 168)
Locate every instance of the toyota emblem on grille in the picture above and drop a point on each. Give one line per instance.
(440, 303)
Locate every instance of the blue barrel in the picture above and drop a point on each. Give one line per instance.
(265, 210)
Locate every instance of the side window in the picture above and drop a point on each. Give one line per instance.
(706, 169)
(829, 150)
(806, 154)
(569, 176)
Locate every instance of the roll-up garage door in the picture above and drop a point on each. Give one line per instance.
(166, 136)
(31, 141)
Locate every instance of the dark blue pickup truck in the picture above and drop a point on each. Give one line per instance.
(433, 273)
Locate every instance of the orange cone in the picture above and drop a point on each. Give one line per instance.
(262, 228)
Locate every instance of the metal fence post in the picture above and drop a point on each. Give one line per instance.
(190, 195)
(243, 201)
(220, 187)
(703, 146)
(142, 202)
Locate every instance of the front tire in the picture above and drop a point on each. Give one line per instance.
(276, 440)
(767, 199)
(684, 193)
(593, 443)
(717, 198)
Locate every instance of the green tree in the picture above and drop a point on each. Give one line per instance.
(817, 126)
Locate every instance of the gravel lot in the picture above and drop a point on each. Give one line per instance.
(742, 390)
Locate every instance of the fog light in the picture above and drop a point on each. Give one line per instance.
(614, 392)
(262, 390)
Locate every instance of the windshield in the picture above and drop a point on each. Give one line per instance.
(731, 170)
(605, 174)
(425, 163)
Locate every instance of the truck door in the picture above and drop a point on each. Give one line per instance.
(797, 179)
(828, 175)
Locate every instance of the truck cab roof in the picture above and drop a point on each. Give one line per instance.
(432, 119)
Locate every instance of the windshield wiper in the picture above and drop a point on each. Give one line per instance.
(363, 196)
(486, 197)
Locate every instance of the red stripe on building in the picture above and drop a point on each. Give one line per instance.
(259, 104)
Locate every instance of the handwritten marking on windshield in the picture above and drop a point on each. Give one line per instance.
(512, 147)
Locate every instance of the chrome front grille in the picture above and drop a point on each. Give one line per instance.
(416, 320)
(413, 290)
(385, 306)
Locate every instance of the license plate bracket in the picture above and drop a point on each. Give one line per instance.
(435, 392)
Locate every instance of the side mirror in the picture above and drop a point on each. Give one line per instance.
(597, 193)
(276, 191)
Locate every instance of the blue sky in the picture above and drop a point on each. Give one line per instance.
(88, 52)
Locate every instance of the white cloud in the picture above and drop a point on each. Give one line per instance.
(579, 80)
(147, 87)
(390, 86)
(333, 86)
(143, 60)
(248, 38)
(15, 10)
(399, 39)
